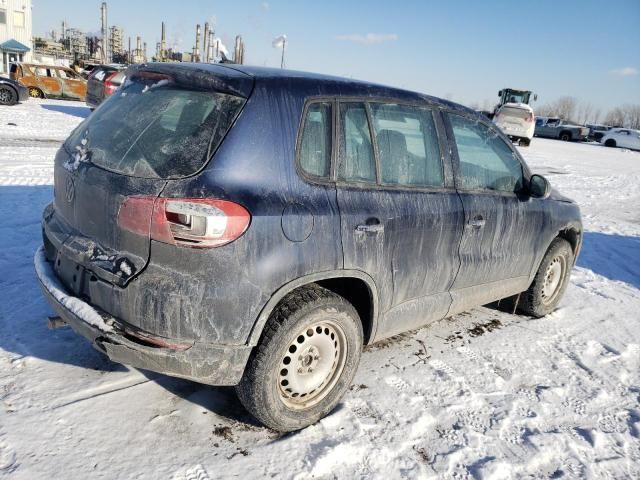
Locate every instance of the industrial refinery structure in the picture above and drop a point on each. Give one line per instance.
(110, 45)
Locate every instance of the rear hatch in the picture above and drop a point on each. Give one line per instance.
(164, 123)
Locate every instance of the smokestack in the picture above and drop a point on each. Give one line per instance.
(163, 44)
(64, 29)
(105, 36)
(138, 43)
(210, 51)
(238, 52)
(144, 52)
(196, 52)
(205, 43)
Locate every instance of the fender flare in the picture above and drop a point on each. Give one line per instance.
(261, 320)
(568, 226)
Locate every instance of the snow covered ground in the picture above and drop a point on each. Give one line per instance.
(485, 394)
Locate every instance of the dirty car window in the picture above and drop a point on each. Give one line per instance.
(155, 129)
(315, 148)
(486, 161)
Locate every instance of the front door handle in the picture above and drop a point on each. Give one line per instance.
(374, 228)
(477, 222)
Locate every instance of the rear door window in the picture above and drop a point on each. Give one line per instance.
(315, 145)
(153, 128)
(486, 162)
(356, 160)
(407, 144)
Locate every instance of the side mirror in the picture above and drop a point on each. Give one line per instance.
(539, 186)
(499, 93)
(535, 97)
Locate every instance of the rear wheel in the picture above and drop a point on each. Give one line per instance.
(550, 281)
(565, 136)
(35, 92)
(305, 361)
(525, 142)
(610, 142)
(8, 95)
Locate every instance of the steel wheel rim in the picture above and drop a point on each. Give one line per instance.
(312, 364)
(552, 279)
(33, 92)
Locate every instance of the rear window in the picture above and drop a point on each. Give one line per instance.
(153, 128)
(515, 112)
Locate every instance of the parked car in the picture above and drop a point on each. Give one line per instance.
(87, 70)
(622, 137)
(255, 227)
(560, 129)
(11, 92)
(103, 81)
(596, 132)
(516, 121)
(49, 81)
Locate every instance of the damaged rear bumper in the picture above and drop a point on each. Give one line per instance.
(204, 363)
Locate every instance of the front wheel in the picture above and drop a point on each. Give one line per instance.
(8, 95)
(550, 282)
(305, 360)
(610, 142)
(525, 142)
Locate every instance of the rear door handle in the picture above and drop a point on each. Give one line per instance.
(477, 222)
(375, 228)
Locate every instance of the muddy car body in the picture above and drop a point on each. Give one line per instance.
(50, 81)
(319, 215)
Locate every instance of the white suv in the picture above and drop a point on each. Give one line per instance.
(622, 137)
(517, 121)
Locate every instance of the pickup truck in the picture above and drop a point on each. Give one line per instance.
(560, 129)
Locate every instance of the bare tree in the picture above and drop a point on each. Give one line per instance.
(632, 116)
(615, 117)
(597, 113)
(566, 107)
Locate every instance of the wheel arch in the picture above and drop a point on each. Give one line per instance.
(568, 132)
(11, 87)
(354, 285)
(572, 233)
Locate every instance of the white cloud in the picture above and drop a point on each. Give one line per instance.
(368, 38)
(624, 72)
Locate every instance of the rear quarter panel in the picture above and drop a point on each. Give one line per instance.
(215, 295)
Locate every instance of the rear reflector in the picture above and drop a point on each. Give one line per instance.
(187, 222)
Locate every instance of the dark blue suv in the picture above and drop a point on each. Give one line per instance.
(255, 227)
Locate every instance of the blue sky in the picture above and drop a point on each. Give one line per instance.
(462, 50)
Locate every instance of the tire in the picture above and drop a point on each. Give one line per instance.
(35, 92)
(550, 282)
(565, 136)
(610, 142)
(8, 96)
(308, 327)
(525, 142)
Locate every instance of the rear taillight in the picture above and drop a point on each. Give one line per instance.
(529, 118)
(109, 87)
(186, 222)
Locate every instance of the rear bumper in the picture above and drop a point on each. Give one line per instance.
(204, 363)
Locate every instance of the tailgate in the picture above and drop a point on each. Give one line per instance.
(164, 123)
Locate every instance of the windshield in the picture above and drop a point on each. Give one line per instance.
(515, 96)
(154, 128)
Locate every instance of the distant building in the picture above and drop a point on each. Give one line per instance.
(15, 32)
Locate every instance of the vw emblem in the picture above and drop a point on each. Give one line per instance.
(69, 190)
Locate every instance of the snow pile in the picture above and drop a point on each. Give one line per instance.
(48, 278)
(485, 394)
